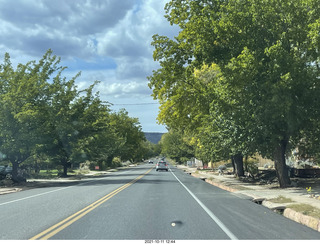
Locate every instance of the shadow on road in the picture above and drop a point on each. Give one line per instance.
(121, 179)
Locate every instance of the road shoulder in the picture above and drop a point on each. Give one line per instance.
(263, 194)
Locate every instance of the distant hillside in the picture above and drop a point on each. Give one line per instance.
(153, 137)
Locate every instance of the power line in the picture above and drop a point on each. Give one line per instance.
(132, 104)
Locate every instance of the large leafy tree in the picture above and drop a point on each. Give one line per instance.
(130, 137)
(23, 106)
(268, 53)
(45, 115)
(99, 140)
(77, 122)
(176, 146)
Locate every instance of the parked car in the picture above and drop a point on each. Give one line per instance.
(5, 172)
(162, 166)
(150, 162)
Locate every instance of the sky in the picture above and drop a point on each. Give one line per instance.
(107, 40)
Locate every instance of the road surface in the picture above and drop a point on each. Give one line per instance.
(141, 204)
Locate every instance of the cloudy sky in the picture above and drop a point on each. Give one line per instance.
(107, 40)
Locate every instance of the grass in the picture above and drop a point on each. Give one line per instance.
(281, 199)
(53, 173)
(306, 209)
(46, 174)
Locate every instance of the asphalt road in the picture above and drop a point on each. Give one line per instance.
(141, 204)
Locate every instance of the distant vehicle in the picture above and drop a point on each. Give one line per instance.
(5, 172)
(150, 162)
(162, 166)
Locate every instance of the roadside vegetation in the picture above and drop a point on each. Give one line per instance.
(306, 209)
(240, 78)
(49, 126)
(281, 199)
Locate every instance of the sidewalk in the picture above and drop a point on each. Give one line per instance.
(262, 194)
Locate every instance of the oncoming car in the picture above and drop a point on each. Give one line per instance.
(162, 166)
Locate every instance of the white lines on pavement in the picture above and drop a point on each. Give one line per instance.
(208, 211)
(59, 189)
(44, 193)
(37, 195)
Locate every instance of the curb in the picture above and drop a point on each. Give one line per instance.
(9, 190)
(224, 187)
(289, 213)
(309, 221)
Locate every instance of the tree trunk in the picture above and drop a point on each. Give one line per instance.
(109, 160)
(15, 171)
(233, 165)
(65, 165)
(65, 170)
(238, 162)
(15, 167)
(280, 164)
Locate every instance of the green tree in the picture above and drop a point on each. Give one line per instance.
(99, 140)
(63, 124)
(129, 135)
(45, 116)
(174, 145)
(23, 100)
(268, 53)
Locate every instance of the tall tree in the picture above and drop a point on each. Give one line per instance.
(130, 136)
(268, 53)
(23, 102)
(176, 146)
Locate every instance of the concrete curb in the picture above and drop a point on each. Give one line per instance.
(309, 221)
(9, 190)
(289, 213)
(224, 187)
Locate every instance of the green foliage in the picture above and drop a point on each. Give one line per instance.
(251, 166)
(175, 145)
(46, 119)
(130, 136)
(263, 94)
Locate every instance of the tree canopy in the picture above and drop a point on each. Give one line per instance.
(44, 115)
(262, 95)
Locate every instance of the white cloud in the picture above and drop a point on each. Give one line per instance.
(118, 90)
(108, 40)
(67, 27)
(132, 35)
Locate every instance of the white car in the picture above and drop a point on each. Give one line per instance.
(162, 166)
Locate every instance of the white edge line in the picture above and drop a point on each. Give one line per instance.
(59, 189)
(208, 211)
(41, 194)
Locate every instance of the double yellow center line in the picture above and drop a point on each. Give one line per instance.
(48, 233)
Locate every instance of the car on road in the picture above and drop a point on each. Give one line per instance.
(150, 162)
(162, 166)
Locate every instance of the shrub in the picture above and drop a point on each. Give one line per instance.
(251, 166)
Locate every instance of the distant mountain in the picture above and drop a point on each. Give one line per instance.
(153, 137)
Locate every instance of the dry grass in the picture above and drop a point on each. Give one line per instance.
(281, 199)
(306, 209)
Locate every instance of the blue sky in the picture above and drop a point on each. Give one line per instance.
(107, 40)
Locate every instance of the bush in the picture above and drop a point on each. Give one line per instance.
(251, 166)
(116, 162)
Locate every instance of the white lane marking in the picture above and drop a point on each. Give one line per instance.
(37, 195)
(208, 211)
(59, 189)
